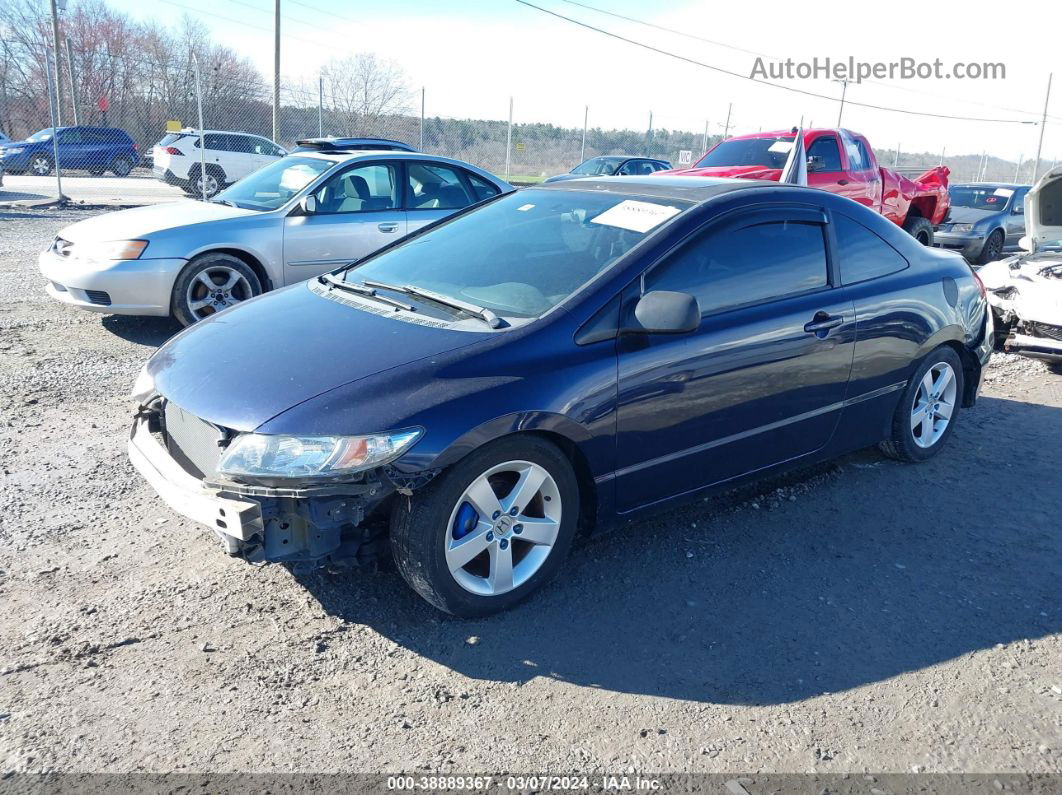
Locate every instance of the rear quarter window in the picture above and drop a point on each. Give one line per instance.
(862, 254)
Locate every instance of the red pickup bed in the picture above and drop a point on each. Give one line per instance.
(839, 161)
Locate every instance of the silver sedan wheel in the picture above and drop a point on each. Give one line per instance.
(41, 165)
(934, 404)
(215, 288)
(503, 528)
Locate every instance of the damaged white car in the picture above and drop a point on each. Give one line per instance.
(1025, 290)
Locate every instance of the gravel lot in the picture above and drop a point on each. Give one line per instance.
(866, 615)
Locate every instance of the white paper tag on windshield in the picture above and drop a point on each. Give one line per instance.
(523, 208)
(1003, 192)
(635, 215)
(781, 146)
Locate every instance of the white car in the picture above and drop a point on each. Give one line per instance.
(229, 156)
(301, 216)
(1025, 291)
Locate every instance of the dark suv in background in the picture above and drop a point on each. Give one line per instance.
(94, 149)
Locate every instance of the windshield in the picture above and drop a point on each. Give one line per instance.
(524, 253)
(981, 197)
(767, 152)
(272, 186)
(41, 135)
(598, 166)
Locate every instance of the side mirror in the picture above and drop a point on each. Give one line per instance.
(816, 163)
(1019, 210)
(667, 312)
(308, 204)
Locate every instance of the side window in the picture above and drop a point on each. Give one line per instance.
(729, 267)
(432, 186)
(482, 188)
(243, 144)
(864, 255)
(824, 155)
(358, 190)
(1019, 204)
(69, 137)
(857, 155)
(213, 141)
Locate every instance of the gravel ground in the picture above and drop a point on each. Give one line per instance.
(865, 615)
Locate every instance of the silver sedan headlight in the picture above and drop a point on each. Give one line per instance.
(961, 227)
(259, 455)
(109, 250)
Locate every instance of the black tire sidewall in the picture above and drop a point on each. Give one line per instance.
(986, 254)
(183, 313)
(121, 167)
(903, 435)
(916, 224)
(418, 526)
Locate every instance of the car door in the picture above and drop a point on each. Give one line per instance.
(238, 158)
(760, 382)
(95, 149)
(434, 191)
(861, 182)
(71, 154)
(1015, 223)
(825, 167)
(357, 212)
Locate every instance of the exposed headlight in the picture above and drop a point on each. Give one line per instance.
(961, 227)
(110, 249)
(261, 455)
(143, 387)
(13, 150)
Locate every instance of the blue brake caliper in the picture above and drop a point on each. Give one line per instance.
(465, 522)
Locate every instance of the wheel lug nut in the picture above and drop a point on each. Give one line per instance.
(495, 515)
(513, 511)
(518, 528)
(490, 536)
(503, 544)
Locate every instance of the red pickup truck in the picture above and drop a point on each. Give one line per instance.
(840, 161)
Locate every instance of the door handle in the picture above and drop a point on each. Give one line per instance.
(387, 226)
(821, 324)
(842, 182)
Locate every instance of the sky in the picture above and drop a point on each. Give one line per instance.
(470, 56)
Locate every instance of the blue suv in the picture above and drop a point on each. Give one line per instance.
(95, 149)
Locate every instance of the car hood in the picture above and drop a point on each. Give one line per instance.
(249, 363)
(565, 177)
(142, 221)
(968, 215)
(745, 172)
(1043, 209)
(1029, 285)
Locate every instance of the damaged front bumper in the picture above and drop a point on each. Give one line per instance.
(1037, 345)
(312, 526)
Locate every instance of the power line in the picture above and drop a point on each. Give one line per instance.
(747, 78)
(779, 58)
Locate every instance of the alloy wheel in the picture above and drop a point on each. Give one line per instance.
(41, 166)
(216, 288)
(503, 528)
(934, 403)
(211, 184)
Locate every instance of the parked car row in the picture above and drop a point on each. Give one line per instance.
(465, 377)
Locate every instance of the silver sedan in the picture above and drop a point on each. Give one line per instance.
(298, 217)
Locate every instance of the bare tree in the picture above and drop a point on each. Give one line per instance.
(363, 89)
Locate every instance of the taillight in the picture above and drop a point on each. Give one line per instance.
(980, 284)
(172, 150)
(136, 148)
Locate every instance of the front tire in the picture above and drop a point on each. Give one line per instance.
(121, 167)
(40, 165)
(210, 283)
(465, 542)
(928, 409)
(993, 249)
(215, 181)
(920, 229)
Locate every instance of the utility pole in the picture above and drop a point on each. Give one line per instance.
(73, 82)
(59, 197)
(320, 105)
(509, 141)
(1043, 123)
(1018, 167)
(422, 99)
(844, 90)
(704, 145)
(649, 135)
(943, 149)
(896, 159)
(726, 127)
(276, 71)
(202, 134)
(586, 118)
(55, 65)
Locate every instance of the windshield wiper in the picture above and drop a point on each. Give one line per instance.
(228, 202)
(480, 312)
(362, 289)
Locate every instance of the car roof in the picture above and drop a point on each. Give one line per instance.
(691, 189)
(391, 154)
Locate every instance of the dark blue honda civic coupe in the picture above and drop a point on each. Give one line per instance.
(549, 362)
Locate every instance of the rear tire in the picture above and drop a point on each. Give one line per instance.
(121, 167)
(510, 555)
(231, 280)
(993, 249)
(215, 181)
(928, 409)
(920, 229)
